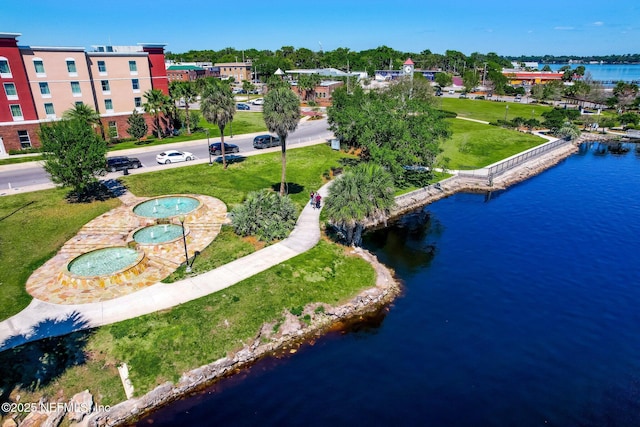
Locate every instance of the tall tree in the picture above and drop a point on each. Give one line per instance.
(156, 105)
(187, 92)
(74, 155)
(362, 194)
(281, 114)
(218, 107)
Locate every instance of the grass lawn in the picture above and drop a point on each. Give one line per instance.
(491, 111)
(160, 346)
(476, 145)
(33, 226)
(10, 160)
(305, 167)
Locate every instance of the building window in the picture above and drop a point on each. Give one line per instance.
(108, 105)
(5, 71)
(10, 90)
(79, 103)
(44, 90)
(135, 84)
(48, 109)
(105, 86)
(39, 66)
(71, 67)
(138, 102)
(102, 67)
(113, 129)
(16, 112)
(23, 136)
(75, 89)
(133, 67)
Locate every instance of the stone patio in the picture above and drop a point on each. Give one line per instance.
(55, 284)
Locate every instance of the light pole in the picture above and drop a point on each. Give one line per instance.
(505, 112)
(184, 241)
(208, 147)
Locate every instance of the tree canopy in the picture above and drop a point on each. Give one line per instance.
(218, 107)
(388, 128)
(74, 155)
(362, 194)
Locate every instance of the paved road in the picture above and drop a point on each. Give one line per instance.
(31, 175)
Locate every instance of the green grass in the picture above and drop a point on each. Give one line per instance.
(491, 111)
(11, 161)
(476, 145)
(305, 167)
(161, 346)
(227, 246)
(33, 226)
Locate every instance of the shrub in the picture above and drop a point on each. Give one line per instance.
(264, 214)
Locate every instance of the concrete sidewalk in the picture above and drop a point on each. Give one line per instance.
(41, 319)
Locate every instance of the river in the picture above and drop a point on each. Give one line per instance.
(605, 72)
(520, 308)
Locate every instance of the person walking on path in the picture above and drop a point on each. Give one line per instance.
(313, 198)
(318, 199)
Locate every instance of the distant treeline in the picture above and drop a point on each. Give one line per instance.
(607, 59)
(266, 62)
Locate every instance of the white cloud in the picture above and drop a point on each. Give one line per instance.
(598, 24)
(563, 28)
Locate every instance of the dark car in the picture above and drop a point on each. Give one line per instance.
(121, 162)
(243, 107)
(216, 148)
(266, 141)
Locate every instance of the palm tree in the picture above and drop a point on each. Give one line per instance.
(156, 104)
(218, 107)
(186, 91)
(281, 114)
(362, 194)
(85, 113)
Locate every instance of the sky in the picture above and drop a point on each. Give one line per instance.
(555, 27)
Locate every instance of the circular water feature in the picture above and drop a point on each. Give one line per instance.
(165, 207)
(157, 234)
(104, 261)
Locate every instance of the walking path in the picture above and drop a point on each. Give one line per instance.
(42, 319)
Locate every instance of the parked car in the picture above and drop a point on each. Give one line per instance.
(518, 98)
(463, 95)
(438, 93)
(258, 101)
(216, 148)
(122, 162)
(174, 156)
(266, 141)
(243, 107)
(451, 91)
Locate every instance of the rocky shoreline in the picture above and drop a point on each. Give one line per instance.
(294, 331)
(291, 334)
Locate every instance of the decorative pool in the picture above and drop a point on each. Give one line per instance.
(165, 207)
(104, 261)
(157, 234)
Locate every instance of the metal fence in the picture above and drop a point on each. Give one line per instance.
(499, 168)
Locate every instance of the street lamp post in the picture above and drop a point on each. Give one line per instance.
(505, 112)
(208, 147)
(184, 241)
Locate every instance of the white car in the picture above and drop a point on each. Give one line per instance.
(173, 156)
(258, 101)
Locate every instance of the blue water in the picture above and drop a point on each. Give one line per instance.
(165, 207)
(605, 72)
(520, 309)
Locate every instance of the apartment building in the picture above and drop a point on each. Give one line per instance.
(40, 83)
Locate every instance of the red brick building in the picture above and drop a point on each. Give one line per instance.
(38, 84)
